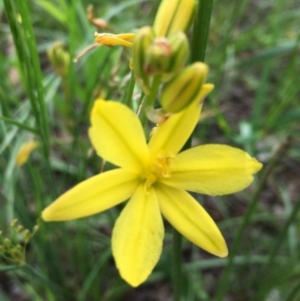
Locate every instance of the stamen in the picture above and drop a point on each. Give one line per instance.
(160, 168)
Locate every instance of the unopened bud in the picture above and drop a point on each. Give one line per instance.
(184, 88)
(59, 58)
(167, 56)
(6, 242)
(90, 12)
(158, 57)
(14, 223)
(27, 236)
(172, 16)
(143, 39)
(180, 50)
(35, 229)
(20, 228)
(25, 151)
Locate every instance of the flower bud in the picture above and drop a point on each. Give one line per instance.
(180, 50)
(184, 88)
(142, 41)
(157, 57)
(172, 16)
(14, 223)
(167, 56)
(59, 59)
(25, 151)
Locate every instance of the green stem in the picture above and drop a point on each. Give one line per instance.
(127, 99)
(201, 30)
(19, 124)
(149, 99)
(177, 265)
(35, 74)
(282, 235)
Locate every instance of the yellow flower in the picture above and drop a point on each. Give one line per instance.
(24, 152)
(154, 177)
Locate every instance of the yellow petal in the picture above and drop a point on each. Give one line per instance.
(173, 15)
(117, 135)
(92, 196)
(171, 135)
(190, 219)
(26, 149)
(138, 236)
(213, 169)
(108, 39)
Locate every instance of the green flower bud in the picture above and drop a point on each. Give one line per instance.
(167, 56)
(180, 50)
(14, 223)
(20, 228)
(184, 88)
(6, 242)
(59, 59)
(142, 41)
(27, 236)
(157, 57)
(35, 229)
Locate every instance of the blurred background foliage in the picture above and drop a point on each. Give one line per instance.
(253, 53)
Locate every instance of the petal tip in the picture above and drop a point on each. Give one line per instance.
(133, 282)
(256, 166)
(221, 249)
(46, 215)
(223, 253)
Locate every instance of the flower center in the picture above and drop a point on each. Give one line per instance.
(160, 168)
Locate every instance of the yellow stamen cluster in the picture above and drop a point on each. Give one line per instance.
(160, 168)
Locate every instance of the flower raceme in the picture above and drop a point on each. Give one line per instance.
(154, 178)
(172, 16)
(160, 50)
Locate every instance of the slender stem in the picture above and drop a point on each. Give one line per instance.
(19, 124)
(201, 30)
(35, 74)
(177, 265)
(127, 99)
(282, 235)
